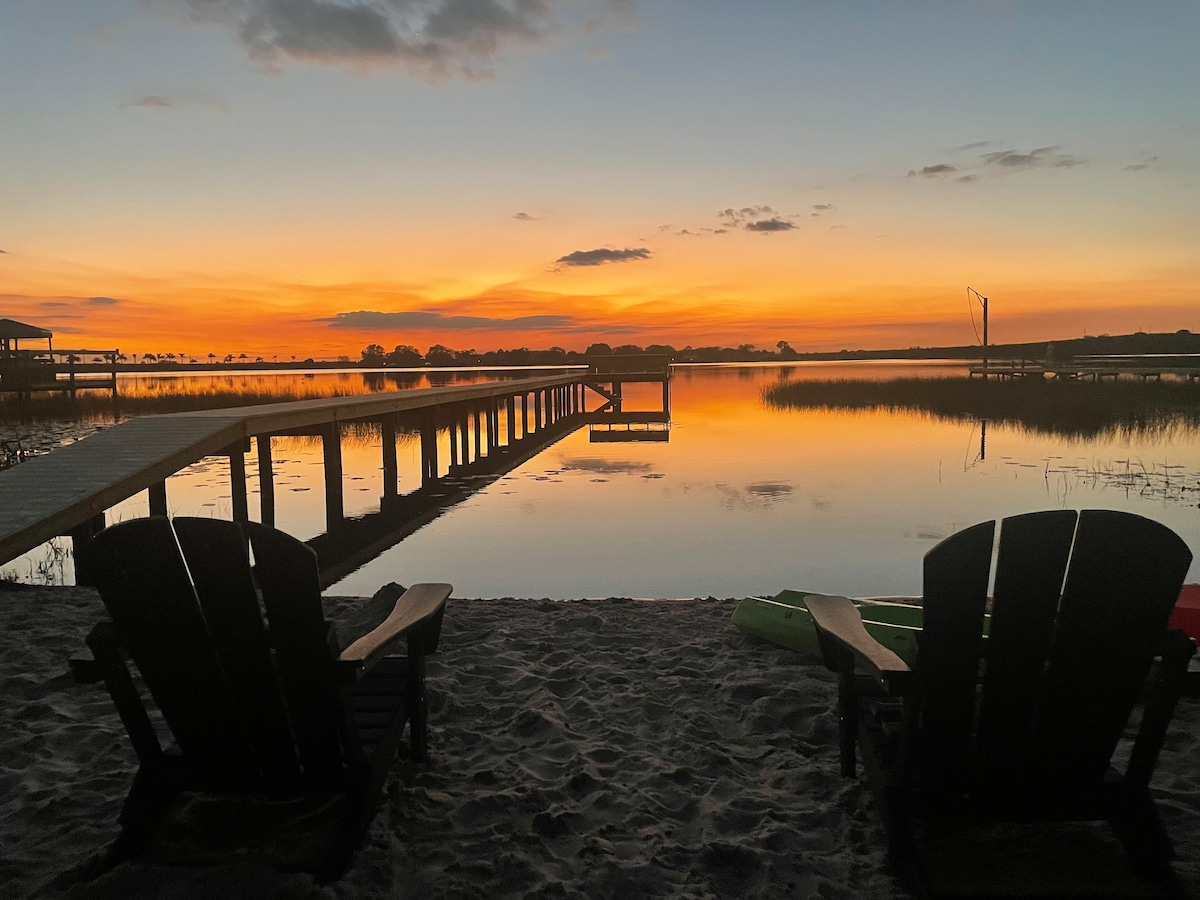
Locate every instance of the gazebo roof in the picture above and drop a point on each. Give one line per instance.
(10, 329)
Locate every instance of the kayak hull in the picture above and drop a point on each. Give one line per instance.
(785, 620)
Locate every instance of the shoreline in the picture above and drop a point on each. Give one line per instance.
(592, 748)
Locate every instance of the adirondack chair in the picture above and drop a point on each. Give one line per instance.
(257, 708)
(1021, 726)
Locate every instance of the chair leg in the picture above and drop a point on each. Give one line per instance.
(1141, 831)
(153, 791)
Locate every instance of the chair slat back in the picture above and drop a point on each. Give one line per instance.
(147, 588)
(1031, 564)
(1125, 575)
(305, 648)
(216, 553)
(956, 575)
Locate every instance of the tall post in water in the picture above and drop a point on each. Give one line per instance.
(983, 301)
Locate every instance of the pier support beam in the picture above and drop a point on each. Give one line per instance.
(391, 469)
(237, 482)
(429, 448)
(81, 535)
(158, 498)
(331, 443)
(266, 480)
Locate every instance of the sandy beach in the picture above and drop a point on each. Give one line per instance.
(610, 748)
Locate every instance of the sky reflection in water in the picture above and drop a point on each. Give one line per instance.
(743, 499)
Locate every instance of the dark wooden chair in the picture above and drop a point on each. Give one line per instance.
(1021, 726)
(247, 676)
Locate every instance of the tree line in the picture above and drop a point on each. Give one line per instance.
(1182, 341)
(439, 355)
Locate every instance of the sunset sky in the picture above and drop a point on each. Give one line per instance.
(309, 176)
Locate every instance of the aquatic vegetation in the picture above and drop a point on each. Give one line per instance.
(1065, 409)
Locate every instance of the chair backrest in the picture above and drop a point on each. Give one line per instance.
(239, 660)
(1080, 604)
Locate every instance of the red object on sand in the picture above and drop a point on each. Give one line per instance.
(1186, 614)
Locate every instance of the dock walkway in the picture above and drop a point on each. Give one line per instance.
(65, 492)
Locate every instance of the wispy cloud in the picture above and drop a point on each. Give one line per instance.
(431, 38)
(525, 217)
(603, 255)
(1143, 163)
(373, 319)
(1037, 158)
(933, 171)
(150, 101)
(998, 162)
(102, 301)
(823, 207)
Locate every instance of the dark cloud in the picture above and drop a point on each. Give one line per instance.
(371, 319)
(151, 101)
(974, 145)
(432, 38)
(3, 251)
(1038, 158)
(769, 225)
(525, 217)
(762, 219)
(822, 207)
(102, 301)
(966, 179)
(932, 171)
(738, 217)
(603, 255)
(53, 303)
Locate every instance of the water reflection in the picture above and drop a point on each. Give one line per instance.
(747, 496)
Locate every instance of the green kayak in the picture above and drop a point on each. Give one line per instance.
(784, 620)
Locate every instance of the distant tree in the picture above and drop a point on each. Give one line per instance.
(258, 359)
(405, 356)
(440, 355)
(149, 358)
(212, 357)
(598, 350)
(373, 355)
(243, 357)
(627, 350)
(228, 358)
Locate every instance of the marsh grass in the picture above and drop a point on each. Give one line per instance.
(1064, 409)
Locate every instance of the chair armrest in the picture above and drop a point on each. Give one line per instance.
(418, 607)
(838, 619)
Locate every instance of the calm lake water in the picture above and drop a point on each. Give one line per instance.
(743, 498)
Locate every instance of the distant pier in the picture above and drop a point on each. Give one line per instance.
(1097, 368)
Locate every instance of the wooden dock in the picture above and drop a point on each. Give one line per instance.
(28, 372)
(69, 490)
(1096, 368)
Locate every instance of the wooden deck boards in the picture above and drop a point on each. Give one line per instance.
(49, 495)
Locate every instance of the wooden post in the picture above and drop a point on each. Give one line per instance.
(453, 435)
(237, 482)
(537, 411)
(524, 416)
(81, 535)
(266, 480)
(429, 450)
(510, 414)
(331, 444)
(464, 436)
(478, 438)
(158, 499)
(391, 469)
